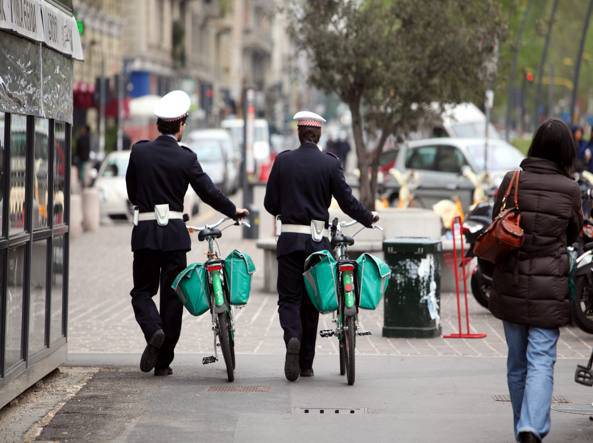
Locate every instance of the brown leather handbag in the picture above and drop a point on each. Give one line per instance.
(505, 234)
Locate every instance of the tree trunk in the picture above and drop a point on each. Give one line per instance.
(375, 163)
(366, 196)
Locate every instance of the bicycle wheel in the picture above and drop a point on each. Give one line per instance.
(225, 344)
(350, 346)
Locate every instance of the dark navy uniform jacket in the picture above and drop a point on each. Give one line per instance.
(159, 172)
(300, 188)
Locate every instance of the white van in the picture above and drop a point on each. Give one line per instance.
(261, 137)
(464, 120)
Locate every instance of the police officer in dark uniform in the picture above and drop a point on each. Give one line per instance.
(157, 178)
(300, 188)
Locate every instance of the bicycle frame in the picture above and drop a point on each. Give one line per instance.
(219, 299)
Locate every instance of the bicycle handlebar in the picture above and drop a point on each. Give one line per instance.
(240, 222)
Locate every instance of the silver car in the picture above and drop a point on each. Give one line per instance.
(203, 141)
(437, 167)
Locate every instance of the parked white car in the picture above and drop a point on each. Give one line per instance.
(113, 195)
(231, 154)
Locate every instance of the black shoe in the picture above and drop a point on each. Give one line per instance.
(307, 372)
(528, 437)
(151, 352)
(161, 372)
(291, 365)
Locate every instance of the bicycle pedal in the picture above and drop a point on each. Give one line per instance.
(327, 333)
(583, 376)
(208, 360)
(364, 333)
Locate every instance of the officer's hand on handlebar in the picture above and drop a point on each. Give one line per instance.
(375, 216)
(241, 214)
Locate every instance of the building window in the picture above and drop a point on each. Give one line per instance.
(14, 306)
(41, 174)
(38, 298)
(57, 290)
(18, 173)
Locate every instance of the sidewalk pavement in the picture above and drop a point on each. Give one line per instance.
(407, 390)
(394, 399)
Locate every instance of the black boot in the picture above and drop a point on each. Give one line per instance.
(307, 372)
(528, 437)
(291, 365)
(151, 352)
(161, 372)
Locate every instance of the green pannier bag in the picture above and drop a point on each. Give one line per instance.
(321, 282)
(191, 286)
(373, 277)
(239, 268)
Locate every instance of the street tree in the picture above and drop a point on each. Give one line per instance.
(390, 61)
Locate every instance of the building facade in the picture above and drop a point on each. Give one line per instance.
(35, 127)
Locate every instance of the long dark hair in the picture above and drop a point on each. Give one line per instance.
(553, 141)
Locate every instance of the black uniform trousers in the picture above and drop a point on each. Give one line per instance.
(298, 316)
(150, 269)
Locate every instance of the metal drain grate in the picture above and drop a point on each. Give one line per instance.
(239, 388)
(507, 398)
(330, 411)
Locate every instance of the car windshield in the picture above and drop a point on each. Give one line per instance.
(501, 157)
(207, 150)
(115, 166)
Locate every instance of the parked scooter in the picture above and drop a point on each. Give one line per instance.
(582, 306)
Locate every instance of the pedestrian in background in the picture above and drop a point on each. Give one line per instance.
(531, 286)
(343, 149)
(584, 153)
(299, 191)
(83, 152)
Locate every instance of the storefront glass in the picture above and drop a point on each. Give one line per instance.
(59, 171)
(57, 289)
(14, 306)
(18, 176)
(37, 303)
(41, 180)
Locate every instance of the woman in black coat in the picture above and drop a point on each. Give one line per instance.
(531, 285)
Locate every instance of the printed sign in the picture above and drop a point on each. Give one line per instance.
(57, 29)
(5, 14)
(43, 22)
(26, 18)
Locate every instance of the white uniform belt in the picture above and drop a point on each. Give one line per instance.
(301, 229)
(147, 216)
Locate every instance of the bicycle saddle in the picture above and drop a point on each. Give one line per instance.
(209, 232)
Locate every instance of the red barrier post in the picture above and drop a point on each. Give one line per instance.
(457, 222)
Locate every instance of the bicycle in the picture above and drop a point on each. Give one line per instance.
(218, 295)
(346, 316)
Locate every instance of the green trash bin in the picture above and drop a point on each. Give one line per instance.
(412, 300)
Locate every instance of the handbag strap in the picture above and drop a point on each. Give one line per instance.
(514, 183)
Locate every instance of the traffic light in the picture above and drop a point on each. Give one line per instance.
(529, 75)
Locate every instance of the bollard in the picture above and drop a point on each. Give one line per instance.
(75, 228)
(91, 214)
